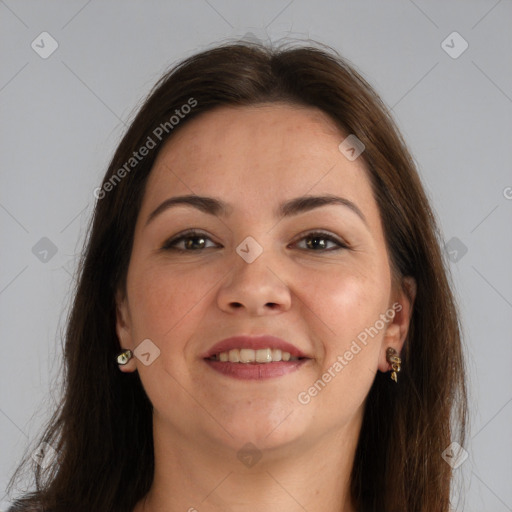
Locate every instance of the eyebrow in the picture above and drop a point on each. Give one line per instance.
(213, 206)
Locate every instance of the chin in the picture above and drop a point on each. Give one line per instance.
(264, 424)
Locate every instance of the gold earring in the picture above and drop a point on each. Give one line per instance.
(124, 356)
(394, 361)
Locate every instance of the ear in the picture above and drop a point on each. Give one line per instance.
(123, 329)
(398, 327)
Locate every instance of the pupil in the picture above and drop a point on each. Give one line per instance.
(316, 244)
(190, 241)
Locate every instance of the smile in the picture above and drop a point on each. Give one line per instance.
(247, 355)
(249, 364)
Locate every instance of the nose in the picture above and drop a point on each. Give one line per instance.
(254, 289)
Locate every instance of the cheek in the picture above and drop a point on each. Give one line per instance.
(347, 305)
(167, 296)
(343, 303)
(349, 291)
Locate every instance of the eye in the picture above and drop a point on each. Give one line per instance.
(318, 241)
(194, 241)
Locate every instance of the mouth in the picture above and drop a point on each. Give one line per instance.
(249, 355)
(254, 370)
(253, 358)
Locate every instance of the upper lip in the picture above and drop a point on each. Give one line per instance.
(255, 343)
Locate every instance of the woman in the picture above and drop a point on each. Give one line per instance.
(263, 319)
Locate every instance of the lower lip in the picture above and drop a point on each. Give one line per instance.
(255, 371)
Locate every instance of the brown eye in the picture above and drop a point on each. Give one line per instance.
(192, 241)
(319, 241)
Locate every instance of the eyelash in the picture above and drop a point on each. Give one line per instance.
(170, 245)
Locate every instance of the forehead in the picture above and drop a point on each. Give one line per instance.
(257, 154)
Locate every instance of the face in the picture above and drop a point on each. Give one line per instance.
(317, 276)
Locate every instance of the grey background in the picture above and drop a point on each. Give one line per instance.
(61, 118)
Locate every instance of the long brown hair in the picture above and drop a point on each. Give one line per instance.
(102, 430)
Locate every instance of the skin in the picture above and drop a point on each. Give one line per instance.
(254, 158)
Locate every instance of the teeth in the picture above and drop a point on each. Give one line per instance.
(264, 355)
(248, 355)
(234, 356)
